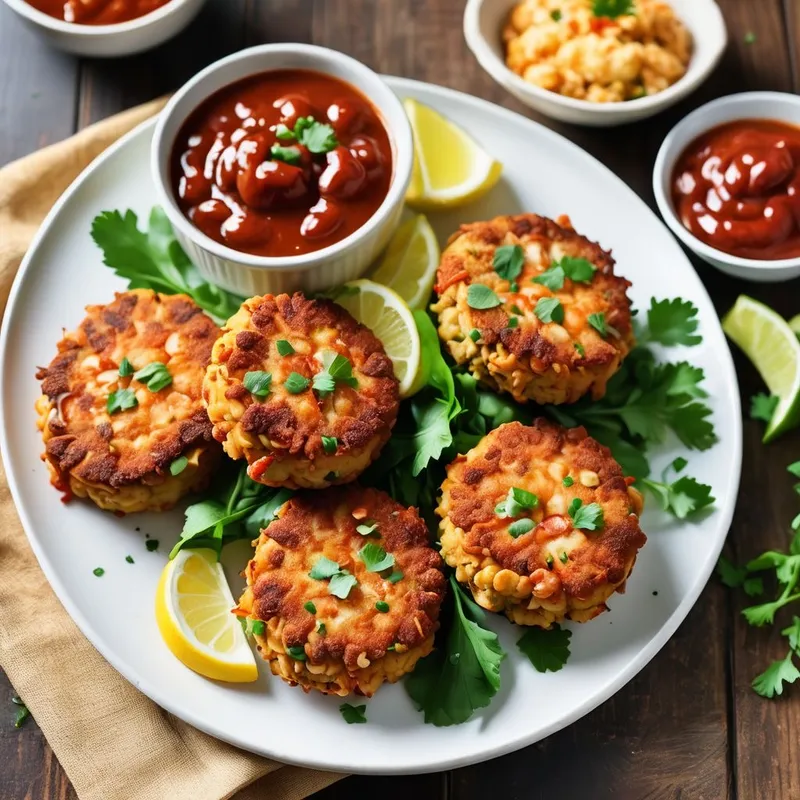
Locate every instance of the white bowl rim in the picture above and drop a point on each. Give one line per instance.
(480, 48)
(662, 170)
(401, 139)
(80, 30)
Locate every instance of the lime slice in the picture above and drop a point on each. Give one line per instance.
(383, 311)
(193, 611)
(450, 168)
(794, 324)
(774, 349)
(410, 262)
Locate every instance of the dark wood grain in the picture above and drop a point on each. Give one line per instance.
(689, 725)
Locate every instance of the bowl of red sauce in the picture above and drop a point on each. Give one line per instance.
(283, 167)
(727, 182)
(106, 28)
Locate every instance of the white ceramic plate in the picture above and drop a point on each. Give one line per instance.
(543, 173)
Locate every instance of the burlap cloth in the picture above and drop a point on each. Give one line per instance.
(113, 742)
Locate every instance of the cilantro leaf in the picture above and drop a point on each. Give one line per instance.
(353, 715)
(296, 383)
(284, 347)
(753, 587)
(771, 681)
(588, 518)
(481, 297)
(730, 575)
(121, 400)
(289, 155)
(549, 309)
(125, 368)
(553, 277)
(375, 558)
(673, 322)
(793, 633)
(341, 584)
(762, 406)
(323, 569)
(508, 261)
(521, 527)
(683, 497)
(598, 322)
(580, 270)
(318, 137)
(335, 369)
(461, 676)
(155, 376)
(612, 8)
(547, 650)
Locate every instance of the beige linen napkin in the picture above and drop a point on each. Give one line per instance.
(113, 742)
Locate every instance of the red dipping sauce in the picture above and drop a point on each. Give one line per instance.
(282, 163)
(737, 188)
(97, 12)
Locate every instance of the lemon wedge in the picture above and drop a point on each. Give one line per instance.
(193, 611)
(450, 168)
(383, 311)
(410, 262)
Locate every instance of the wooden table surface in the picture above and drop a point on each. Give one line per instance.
(688, 726)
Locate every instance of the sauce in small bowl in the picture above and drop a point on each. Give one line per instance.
(97, 12)
(282, 163)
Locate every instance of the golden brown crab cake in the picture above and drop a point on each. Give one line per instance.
(348, 589)
(540, 523)
(550, 341)
(130, 440)
(301, 390)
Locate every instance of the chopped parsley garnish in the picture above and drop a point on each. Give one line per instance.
(555, 15)
(329, 444)
(474, 334)
(382, 606)
(682, 497)
(508, 261)
(289, 155)
(129, 559)
(151, 545)
(121, 400)
(587, 518)
(396, 575)
(178, 465)
(297, 652)
(547, 650)
(258, 383)
(568, 481)
(549, 561)
(563, 557)
(155, 376)
(612, 8)
(367, 528)
(375, 558)
(98, 572)
(283, 133)
(598, 322)
(335, 369)
(520, 527)
(125, 368)
(517, 501)
(512, 322)
(341, 584)
(762, 406)
(284, 347)
(323, 569)
(481, 297)
(353, 715)
(579, 349)
(673, 322)
(295, 383)
(318, 137)
(310, 607)
(579, 270)
(549, 309)
(321, 629)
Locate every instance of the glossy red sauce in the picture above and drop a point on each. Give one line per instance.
(230, 181)
(737, 188)
(97, 12)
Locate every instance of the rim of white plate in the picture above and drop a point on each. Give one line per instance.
(607, 690)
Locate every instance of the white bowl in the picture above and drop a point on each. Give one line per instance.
(483, 26)
(343, 261)
(748, 105)
(121, 39)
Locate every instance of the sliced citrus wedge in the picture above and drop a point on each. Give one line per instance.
(794, 324)
(410, 262)
(772, 346)
(383, 311)
(450, 168)
(193, 611)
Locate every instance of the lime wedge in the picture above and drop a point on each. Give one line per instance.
(770, 343)
(794, 324)
(410, 262)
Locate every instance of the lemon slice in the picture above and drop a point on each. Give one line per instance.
(383, 311)
(774, 349)
(193, 611)
(450, 168)
(410, 262)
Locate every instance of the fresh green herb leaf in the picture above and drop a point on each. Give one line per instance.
(508, 261)
(295, 383)
(520, 527)
(258, 383)
(178, 466)
(587, 518)
(547, 650)
(679, 464)
(284, 347)
(753, 587)
(289, 155)
(155, 376)
(375, 558)
(323, 569)
(322, 629)
(683, 497)
(367, 528)
(121, 400)
(481, 297)
(341, 584)
(353, 715)
(794, 469)
(335, 369)
(793, 633)
(330, 444)
(125, 368)
(129, 559)
(771, 682)
(563, 557)
(283, 133)
(762, 406)
(396, 576)
(98, 572)
(549, 309)
(516, 503)
(673, 322)
(612, 8)
(318, 137)
(553, 277)
(382, 606)
(297, 652)
(310, 607)
(731, 575)
(579, 349)
(555, 15)
(512, 322)
(580, 270)
(474, 334)
(598, 322)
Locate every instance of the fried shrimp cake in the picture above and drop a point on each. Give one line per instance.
(348, 589)
(544, 318)
(301, 390)
(121, 411)
(540, 523)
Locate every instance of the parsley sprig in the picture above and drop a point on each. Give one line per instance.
(317, 137)
(613, 8)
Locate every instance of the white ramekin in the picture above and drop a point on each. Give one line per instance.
(748, 105)
(110, 41)
(483, 26)
(343, 261)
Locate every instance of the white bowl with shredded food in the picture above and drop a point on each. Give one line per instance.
(600, 72)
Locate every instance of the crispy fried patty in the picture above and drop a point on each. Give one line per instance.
(509, 346)
(387, 621)
(298, 434)
(550, 570)
(121, 459)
